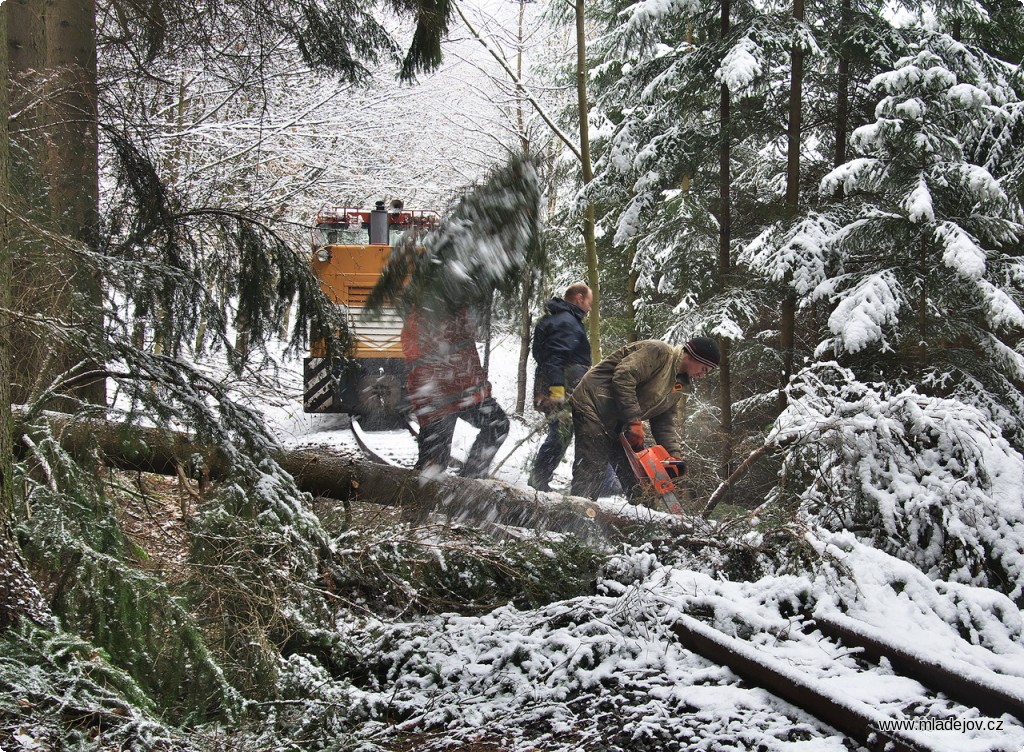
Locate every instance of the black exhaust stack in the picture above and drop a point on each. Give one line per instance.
(379, 225)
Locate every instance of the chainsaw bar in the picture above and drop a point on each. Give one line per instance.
(672, 503)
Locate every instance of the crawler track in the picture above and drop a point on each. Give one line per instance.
(833, 698)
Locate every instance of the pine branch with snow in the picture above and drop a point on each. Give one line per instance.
(488, 243)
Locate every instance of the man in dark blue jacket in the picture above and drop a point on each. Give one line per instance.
(562, 351)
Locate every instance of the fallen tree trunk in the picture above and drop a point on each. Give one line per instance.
(354, 478)
(351, 477)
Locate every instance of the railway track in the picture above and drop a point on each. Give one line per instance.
(860, 696)
(874, 682)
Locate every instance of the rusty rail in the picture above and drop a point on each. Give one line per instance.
(980, 690)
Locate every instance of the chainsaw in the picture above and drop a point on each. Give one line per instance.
(649, 467)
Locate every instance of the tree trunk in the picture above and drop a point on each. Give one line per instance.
(725, 402)
(54, 71)
(72, 158)
(19, 596)
(922, 309)
(787, 334)
(843, 87)
(6, 275)
(33, 277)
(724, 254)
(26, 46)
(524, 141)
(525, 332)
(632, 335)
(589, 217)
(787, 324)
(488, 335)
(241, 340)
(525, 319)
(350, 477)
(796, 77)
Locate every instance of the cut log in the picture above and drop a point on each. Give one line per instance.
(351, 477)
(459, 499)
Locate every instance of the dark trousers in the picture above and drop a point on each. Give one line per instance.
(435, 438)
(596, 448)
(551, 452)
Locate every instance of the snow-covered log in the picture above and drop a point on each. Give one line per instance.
(350, 477)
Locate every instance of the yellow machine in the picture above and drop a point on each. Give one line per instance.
(349, 249)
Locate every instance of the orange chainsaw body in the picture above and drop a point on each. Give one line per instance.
(649, 466)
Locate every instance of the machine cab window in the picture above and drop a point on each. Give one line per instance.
(335, 230)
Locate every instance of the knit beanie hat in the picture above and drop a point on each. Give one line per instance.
(703, 350)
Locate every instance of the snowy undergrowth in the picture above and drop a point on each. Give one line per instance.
(978, 625)
(261, 566)
(606, 672)
(925, 487)
(599, 672)
(402, 571)
(63, 693)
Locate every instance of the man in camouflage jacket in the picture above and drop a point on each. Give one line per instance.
(645, 380)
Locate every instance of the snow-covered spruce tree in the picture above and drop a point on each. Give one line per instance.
(777, 225)
(657, 84)
(673, 205)
(914, 439)
(922, 270)
(929, 479)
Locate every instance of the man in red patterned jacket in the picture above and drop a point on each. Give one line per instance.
(446, 382)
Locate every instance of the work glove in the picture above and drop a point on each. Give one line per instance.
(675, 468)
(634, 433)
(550, 403)
(556, 396)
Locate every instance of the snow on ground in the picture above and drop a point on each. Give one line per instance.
(606, 672)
